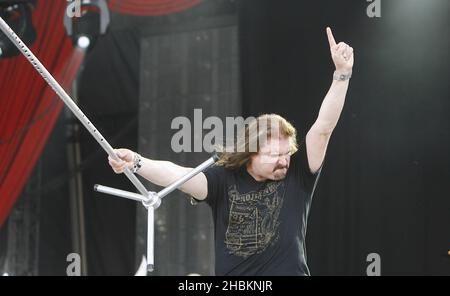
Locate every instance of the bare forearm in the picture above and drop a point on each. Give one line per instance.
(161, 172)
(319, 134)
(332, 106)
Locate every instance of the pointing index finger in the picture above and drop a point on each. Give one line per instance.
(330, 37)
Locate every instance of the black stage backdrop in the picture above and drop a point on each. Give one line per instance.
(384, 187)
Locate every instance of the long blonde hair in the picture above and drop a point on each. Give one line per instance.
(255, 134)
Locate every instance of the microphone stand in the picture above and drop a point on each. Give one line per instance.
(153, 200)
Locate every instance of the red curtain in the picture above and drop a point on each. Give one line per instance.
(150, 7)
(28, 106)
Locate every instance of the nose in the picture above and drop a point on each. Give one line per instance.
(282, 161)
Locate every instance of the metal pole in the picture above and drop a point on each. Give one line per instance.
(120, 193)
(150, 238)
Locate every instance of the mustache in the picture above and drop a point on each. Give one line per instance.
(280, 167)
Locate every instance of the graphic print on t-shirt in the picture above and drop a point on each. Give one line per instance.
(253, 220)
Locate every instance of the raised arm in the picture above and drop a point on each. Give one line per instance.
(319, 135)
(161, 173)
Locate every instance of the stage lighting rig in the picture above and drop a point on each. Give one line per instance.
(85, 21)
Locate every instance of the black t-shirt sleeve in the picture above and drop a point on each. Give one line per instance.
(301, 167)
(215, 176)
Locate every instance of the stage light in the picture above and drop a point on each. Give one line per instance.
(17, 13)
(83, 42)
(92, 21)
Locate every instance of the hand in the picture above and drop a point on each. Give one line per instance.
(126, 157)
(342, 54)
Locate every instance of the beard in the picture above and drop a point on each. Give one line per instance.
(279, 173)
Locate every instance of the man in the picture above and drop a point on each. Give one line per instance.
(260, 200)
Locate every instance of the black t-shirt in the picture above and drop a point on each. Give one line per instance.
(260, 227)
